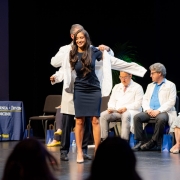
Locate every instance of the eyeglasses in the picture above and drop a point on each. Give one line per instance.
(153, 73)
(125, 78)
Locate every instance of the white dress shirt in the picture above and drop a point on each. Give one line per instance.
(131, 99)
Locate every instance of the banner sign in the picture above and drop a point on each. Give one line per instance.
(12, 121)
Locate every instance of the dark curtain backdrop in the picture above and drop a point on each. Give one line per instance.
(4, 46)
(38, 28)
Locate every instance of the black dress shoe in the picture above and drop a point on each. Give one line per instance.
(102, 139)
(87, 157)
(64, 157)
(137, 146)
(148, 146)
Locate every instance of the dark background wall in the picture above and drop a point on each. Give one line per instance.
(4, 62)
(38, 28)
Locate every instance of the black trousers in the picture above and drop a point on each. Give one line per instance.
(160, 122)
(67, 125)
(58, 120)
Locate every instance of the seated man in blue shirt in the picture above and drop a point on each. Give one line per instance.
(158, 102)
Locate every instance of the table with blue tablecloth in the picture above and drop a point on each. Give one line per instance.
(12, 120)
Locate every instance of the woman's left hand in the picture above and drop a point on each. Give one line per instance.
(103, 47)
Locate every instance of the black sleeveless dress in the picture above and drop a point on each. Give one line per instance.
(87, 91)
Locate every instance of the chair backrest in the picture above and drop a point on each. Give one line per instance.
(177, 104)
(104, 103)
(51, 102)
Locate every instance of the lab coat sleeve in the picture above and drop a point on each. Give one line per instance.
(171, 99)
(132, 67)
(58, 59)
(59, 76)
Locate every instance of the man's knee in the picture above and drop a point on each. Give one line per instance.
(125, 117)
(162, 118)
(103, 116)
(136, 118)
(161, 121)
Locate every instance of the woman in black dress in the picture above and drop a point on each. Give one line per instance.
(87, 91)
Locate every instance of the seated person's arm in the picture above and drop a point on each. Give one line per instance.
(171, 99)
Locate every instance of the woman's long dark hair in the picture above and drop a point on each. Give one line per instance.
(86, 57)
(30, 160)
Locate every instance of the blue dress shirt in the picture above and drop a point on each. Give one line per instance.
(154, 102)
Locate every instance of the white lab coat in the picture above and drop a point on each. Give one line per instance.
(102, 69)
(167, 98)
(131, 99)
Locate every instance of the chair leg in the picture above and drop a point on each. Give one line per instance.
(119, 127)
(116, 130)
(54, 125)
(43, 126)
(45, 130)
(29, 128)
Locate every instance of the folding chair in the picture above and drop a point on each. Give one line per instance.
(49, 111)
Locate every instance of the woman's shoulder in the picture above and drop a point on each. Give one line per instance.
(96, 53)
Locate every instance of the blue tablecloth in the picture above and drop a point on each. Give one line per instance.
(12, 120)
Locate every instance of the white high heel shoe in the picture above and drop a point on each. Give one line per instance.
(79, 161)
(176, 151)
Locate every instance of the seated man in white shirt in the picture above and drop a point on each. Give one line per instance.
(125, 101)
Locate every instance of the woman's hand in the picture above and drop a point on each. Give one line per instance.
(103, 47)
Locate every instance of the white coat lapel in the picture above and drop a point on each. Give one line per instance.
(162, 87)
(151, 90)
